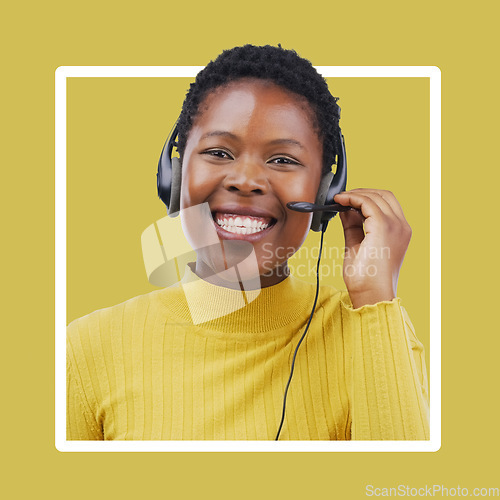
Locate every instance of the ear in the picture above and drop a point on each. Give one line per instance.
(320, 200)
(175, 190)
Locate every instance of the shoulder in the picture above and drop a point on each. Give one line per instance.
(127, 319)
(135, 305)
(129, 306)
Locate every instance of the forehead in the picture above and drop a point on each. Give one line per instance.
(241, 100)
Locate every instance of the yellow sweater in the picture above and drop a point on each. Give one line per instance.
(142, 370)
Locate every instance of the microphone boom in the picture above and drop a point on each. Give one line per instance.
(306, 207)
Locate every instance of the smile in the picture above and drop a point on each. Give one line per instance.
(242, 224)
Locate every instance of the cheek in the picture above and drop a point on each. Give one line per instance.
(196, 184)
(195, 213)
(189, 192)
(304, 188)
(296, 225)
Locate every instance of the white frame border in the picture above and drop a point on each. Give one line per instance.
(434, 444)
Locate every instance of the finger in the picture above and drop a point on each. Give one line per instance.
(389, 197)
(363, 202)
(374, 195)
(395, 218)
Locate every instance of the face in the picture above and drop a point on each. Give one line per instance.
(252, 149)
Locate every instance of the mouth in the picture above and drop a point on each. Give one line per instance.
(243, 224)
(247, 223)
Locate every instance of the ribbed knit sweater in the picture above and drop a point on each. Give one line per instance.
(142, 370)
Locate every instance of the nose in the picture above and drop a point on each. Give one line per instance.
(247, 177)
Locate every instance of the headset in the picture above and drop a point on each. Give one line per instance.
(168, 183)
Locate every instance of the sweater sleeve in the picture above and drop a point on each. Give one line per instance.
(386, 374)
(81, 423)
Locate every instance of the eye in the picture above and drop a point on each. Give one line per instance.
(218, 153)
(284, 160)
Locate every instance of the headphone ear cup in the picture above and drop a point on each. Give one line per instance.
(324, 186)
(175, 189)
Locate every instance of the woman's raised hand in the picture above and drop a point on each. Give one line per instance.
(376, 239)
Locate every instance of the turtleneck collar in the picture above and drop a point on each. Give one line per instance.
(253, 314)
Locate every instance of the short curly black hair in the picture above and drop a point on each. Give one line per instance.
(280, 66)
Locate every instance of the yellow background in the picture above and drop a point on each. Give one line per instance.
(38, 37)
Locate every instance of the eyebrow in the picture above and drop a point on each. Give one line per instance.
(292, 142)
(218, 133)
(224, 133)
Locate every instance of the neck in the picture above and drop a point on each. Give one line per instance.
(269, 278)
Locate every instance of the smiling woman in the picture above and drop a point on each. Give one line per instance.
(258, 130)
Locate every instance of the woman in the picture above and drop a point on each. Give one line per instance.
(210, 358)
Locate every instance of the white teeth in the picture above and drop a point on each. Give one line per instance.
(241, 224)
(242, 230)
